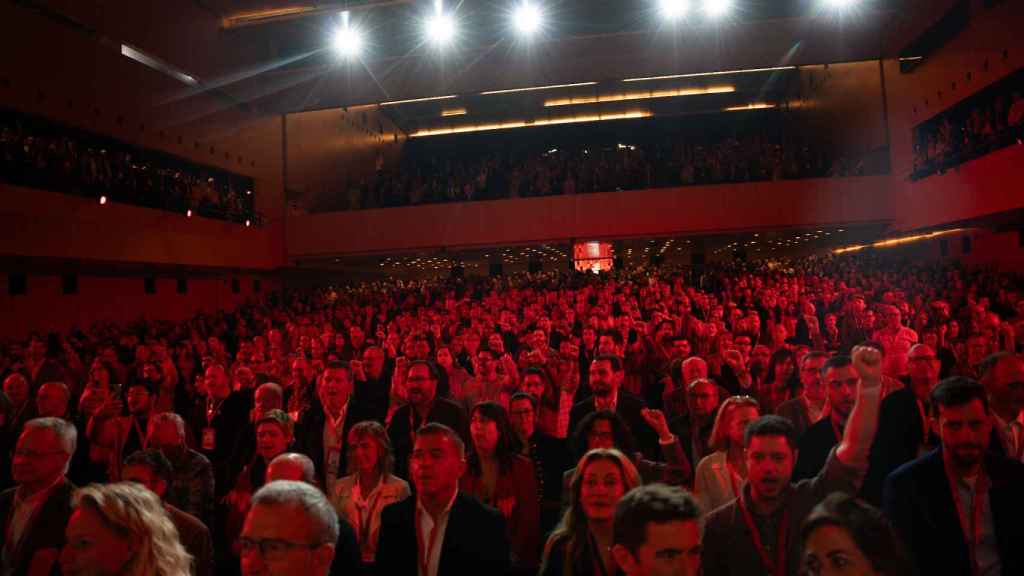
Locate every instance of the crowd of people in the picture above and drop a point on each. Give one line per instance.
(691, 151)
(842, 415)
(39, 153)
(987, 121)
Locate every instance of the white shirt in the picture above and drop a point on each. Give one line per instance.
(427, 524)
(333, 441)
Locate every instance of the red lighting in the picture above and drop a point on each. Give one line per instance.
(593, 256)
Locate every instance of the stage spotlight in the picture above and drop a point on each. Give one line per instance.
(840, 4)
(717, 8)
(673, 10)
(103, 200)
(528, 18)
(348, 40)
(440, 27)
(188, 213)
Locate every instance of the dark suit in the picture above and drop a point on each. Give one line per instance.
(919, 502)
(814, 447)
(309, 436)
(46, 530)
(195, 537)
(347, 559)
(628, 407)
(405, 421)
(475, 540)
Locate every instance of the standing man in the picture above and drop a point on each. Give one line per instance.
(218, 422)
(37, 510)
(440, 530)
(657, 532)
(958, 508)
(758, 533)
(325, 428)
(606, 374)
(840, 380)
(424, 406)
(1002, 374)
(550, 456)
(808, 408)
(191, 487)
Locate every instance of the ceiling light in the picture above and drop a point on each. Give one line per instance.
(673, 10)
(646, 95)
(440, 27)
(717, 8)
(528, 18)
(348, 40)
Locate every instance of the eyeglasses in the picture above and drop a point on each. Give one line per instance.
(272, 549)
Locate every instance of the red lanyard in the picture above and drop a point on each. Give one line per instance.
(971, 525)
(778, 567)
(425, 552)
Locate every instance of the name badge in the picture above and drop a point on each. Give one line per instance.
(209, 438)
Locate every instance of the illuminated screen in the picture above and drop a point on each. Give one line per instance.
(593, 256)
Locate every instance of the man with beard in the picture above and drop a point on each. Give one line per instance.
(958, 507)
(758, 533)
(606, 374)
(424, 406)
(839, 379)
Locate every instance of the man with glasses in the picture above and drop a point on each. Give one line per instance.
(808, 408)
(1002, 374)
(37, 510)
(550, 456)
(304, 544)
(423, 406)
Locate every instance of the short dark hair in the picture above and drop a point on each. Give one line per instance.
(523, 396)
(837, 361)
(650, 504)
(431, 368)
(438, 429)
(957, 391)
(337, 365)
(614, 361)
(615, 335)
(990, 362)
(155, 461)
(621, 434)
(868, 528)
(770, 425)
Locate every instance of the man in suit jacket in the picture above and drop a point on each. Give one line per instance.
(153, 470)
(424, 406)
(958, 508)
(35, 512)
(440, 530)
(606, 375)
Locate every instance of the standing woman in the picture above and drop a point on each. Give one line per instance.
(581, 545)
(721, 473)
(500, 477)
(782, 381)
(370, 485)
(455, 374)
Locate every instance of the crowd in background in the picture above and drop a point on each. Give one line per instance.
(566, 390)
(580, 160)
(987, 121)
(39, 153)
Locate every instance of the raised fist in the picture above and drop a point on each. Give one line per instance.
(656, 420)
(867, 362)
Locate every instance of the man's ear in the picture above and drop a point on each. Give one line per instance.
(624, 558)
(323, 556)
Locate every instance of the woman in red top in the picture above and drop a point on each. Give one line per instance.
(499, 477)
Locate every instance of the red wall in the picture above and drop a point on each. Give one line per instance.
(699, 209)
(118, 299)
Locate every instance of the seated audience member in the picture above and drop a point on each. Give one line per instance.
(844, 535)
(582, 542)
(294, 467)
(606, 430)
(468, 537)
(606, 374)
(191, 488)
(757, 532)
(657, 531)
(304, 544)
(1003, 378)
(52, 400)
(720, 473)
(38, 508)
(16, 387)
(124, 529)
(550, 456)
(500, 477)
(957, 507)
(369, 487)
(810, 406)
(694, 428)
(424, 407)
(152, 469)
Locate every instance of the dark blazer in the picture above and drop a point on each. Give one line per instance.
(309, 436)
(814, 447)
(405, 421)
(475, 540)
(195, 537)
(628, 407)
(919, 502)
(46, 532)
(347, 558)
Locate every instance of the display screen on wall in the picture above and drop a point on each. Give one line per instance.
(593, 257)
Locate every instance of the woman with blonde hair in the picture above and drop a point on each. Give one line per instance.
(722, 472)
(121, 529)
(369, 486)
(581, 544)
